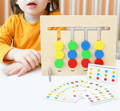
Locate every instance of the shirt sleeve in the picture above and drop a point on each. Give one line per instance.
(6, 37)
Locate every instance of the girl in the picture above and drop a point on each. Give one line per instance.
(20, 35)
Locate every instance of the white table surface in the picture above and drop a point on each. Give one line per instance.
(27, 93)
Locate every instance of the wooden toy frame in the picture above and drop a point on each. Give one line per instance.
(48, 37)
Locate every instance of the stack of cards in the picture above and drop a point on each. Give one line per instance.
(76, 90)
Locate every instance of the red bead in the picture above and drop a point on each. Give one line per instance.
(105, 79)
(72, 63)
(97, 78)
(99, 61)
(72, 82)
(85, 63)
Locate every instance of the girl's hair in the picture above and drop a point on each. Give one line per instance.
(53, 6)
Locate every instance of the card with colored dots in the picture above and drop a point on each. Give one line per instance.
(105, 74)
(99, 95)
(66, 92)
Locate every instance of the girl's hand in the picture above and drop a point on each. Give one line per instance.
(28, 57)
(16, 68)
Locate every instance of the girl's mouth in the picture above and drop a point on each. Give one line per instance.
(32, 5)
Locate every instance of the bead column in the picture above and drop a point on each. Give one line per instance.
(86, 54)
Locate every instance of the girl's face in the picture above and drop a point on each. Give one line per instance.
(33, 7)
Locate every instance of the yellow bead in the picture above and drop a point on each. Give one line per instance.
(99, 45)
(58, 45)
(59, 55)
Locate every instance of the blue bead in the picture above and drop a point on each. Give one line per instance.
(99, 54)
(72, 54)
(85, 45)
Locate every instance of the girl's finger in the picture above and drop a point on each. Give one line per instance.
(26, 63)
(37, 55)
(13, 71)
(22, 72)
(30, 61)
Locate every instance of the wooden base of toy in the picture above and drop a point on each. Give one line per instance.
(48, 37)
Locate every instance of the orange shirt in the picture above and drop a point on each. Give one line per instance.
(18, 33)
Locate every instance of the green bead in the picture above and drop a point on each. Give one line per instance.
(86, 54)
(72, 45)
(59, 63)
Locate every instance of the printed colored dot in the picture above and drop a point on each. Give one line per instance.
(105, 79)
(113, 80)
(59, 63)
(55, 89)
(74, 91)
(106, 71)
(110, 93)
(76, 81)
(106, 75)
(48, 97)
(52, 91)
(90, 72)
(98, 70)
(98, 74)
(90, 77)
(91, 69)
(100, 92)
(72, 54)
(98, 99)
(82, 81)
(72, 63)
(91, 100)
(113, 76)
(49, 94)
(88, 86)
(113, 72)
(74, 96)
(72, 82)
(56, 98)
(67, 83)
(85, 45)
(99, 54)
(97, 78)
(72, 45)
(86, 54)
(100, 86)
(77, 86)
(102, 95)
(112, 96)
